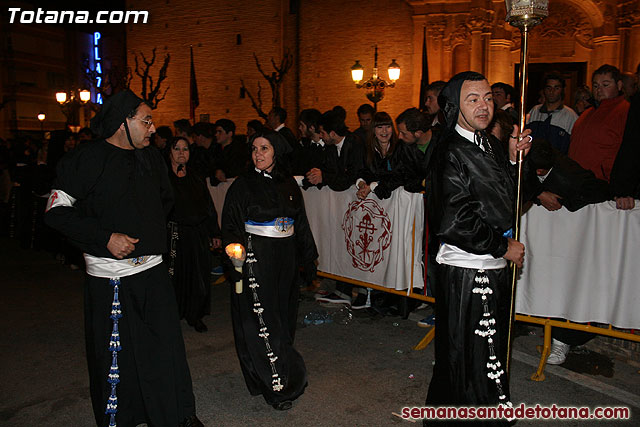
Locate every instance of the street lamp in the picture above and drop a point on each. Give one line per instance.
(70, 104)
(84, 96)
(41, 117)
(375, 85)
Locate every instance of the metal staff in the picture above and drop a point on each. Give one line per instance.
(523, 14)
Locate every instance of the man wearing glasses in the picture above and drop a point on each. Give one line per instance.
(111, 199)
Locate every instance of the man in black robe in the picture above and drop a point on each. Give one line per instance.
(111, 199)
(471, 212)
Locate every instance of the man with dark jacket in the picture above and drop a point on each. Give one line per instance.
(344, 155)
(562, 181)
(233, 159)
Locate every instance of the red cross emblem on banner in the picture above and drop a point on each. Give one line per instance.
(367, 232)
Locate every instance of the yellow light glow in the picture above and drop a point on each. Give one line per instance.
(85, 95)
(394, 71)
(235, 251)
(357, 75)
(61, 97)
(41, 117)
(357, 72)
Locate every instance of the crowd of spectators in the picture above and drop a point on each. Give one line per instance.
(585, 154)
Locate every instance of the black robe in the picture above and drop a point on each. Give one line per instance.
(472, 207)
(259, 198)
(195, 223)
(116, 192)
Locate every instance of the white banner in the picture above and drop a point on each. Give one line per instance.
(583, 265)
(368, 240)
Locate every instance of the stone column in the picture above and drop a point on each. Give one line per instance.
(606, 51)
(633, 48)
(500, 66)
(475, 60)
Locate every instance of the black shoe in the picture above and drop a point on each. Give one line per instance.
(191, 421)
(283, 406)
(200, 326)
(360, 302)
(333, 299)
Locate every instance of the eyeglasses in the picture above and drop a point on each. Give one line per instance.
(147, 123)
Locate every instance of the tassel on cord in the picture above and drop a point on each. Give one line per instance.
(486, 330)
(276, 384)
(113, 377)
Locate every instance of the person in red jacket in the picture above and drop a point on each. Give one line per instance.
(598, 132)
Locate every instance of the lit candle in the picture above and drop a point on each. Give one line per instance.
(236, 252)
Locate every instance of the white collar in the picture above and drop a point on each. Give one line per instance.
(506, 106)
(541, 178)
(339, 144)
(466, 134)
(279, 127)
(264, 173)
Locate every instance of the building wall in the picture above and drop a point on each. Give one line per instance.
(336, 33)
(33, 62)
(333, 34)
(326, 37)
(38, 60)
(220, 62)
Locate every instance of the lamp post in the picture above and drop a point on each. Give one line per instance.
(41, 117)
(375, 85)
(70, 104)
(523, 14)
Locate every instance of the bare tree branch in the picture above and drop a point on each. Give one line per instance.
(112, 79)
(274, 79)
(259, 67)
(151, 87)
(256, 102)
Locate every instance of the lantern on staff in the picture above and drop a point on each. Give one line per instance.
(236, 252)
(523, 14)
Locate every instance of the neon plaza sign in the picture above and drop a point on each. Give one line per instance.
(97, 65)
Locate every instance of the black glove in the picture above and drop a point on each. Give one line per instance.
(233, 275)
